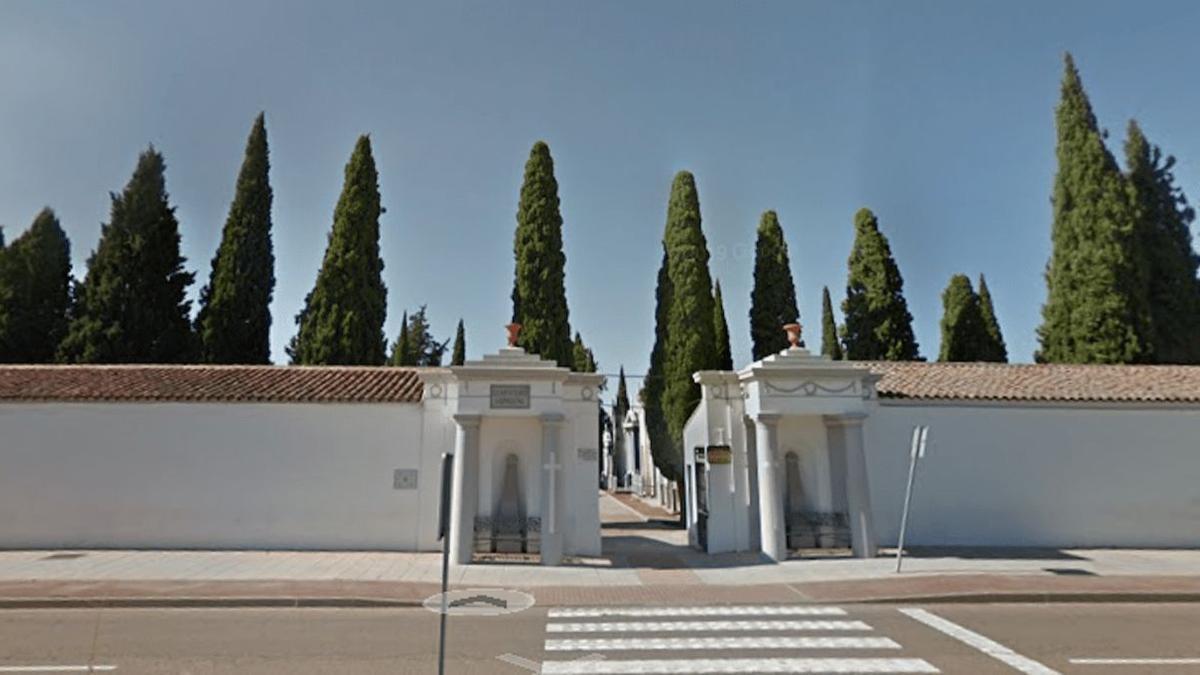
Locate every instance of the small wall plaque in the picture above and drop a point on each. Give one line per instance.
(404, 479)
(720, 454)
(588, 454)
(510, 396)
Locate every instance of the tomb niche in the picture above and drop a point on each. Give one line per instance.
(508, 530)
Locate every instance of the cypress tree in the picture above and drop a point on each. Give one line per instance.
(878, 324)
(773, 300)
(622, 395)
(830, 345)
(578, 355)
(964, 335)
(690, 343)
(343, 315)
(1095, 309)
(132, 305)
(539, 287)
(721, 331)
(996, 351)
(234, 319)
(661, 449)
(35, 292)
(591, 364)
(402, 348)
(1163, 219)
(459, 356)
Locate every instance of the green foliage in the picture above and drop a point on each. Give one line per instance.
(773, 299)
(690, 331)
(724, 359)
(1162, 221)
(830, 345)
(459, 354)
(1095, 309)
(416, 345)
(622, 397)
(878, 324)
(996, 350)
(964, 334)
(539, 287)
(661, 448)
(35, 292)
(343, 315)
(579, 355)
(234, 319)
(132, 306)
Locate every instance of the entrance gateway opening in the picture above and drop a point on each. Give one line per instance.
(777, 459)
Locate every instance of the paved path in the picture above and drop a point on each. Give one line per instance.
(976, 639)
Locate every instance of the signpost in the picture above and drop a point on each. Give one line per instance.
(920, 435)
(444, 534)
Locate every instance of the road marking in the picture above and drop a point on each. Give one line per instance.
(701, 626)
(735, 610)
(57, 668)
(987, 646)
(845, 665)
(1137, 662)
(536, 666)
(704, 643)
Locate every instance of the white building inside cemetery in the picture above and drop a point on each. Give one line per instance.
(793, 452)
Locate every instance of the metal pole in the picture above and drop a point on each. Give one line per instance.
(918, 447)
(444, 533)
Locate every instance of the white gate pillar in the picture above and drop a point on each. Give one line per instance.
(465, 498)
(770, 497)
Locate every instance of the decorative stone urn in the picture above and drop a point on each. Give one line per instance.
(514, 330)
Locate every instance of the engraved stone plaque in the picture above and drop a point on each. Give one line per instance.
(589, 454)
(510, 396)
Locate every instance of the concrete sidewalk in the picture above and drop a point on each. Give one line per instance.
(644, 559)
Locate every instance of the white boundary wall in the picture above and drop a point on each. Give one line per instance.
(1017, 474)
(216, 475)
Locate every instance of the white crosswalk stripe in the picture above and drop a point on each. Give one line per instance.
(704, 626)
(805, 665)
(732, 610)
(641, 644)
(788, 644)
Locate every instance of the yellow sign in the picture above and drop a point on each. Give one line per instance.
(720, 454)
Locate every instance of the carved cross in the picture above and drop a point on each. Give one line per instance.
(551, 467)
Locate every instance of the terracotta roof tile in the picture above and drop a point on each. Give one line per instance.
(364, 384)
(1038, 382)
(275, 384)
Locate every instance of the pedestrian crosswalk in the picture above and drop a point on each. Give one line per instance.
(718, 639)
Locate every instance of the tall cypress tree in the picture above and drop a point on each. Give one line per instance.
(579, 355)
(830, 345)
(402, 348)
(539, 287)
(35, 292)
(661, 448)
(773, 299)
(1163, 220)
(343, 315)
(132, 305)
(691, 343)
(964, 334)
(996, 351)
(622, 403)
(721, 331)
(234, 319)
(1095, 309)
(459, 355)
(878, 324)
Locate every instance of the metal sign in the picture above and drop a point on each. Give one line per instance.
(509, 396)
(916, 451)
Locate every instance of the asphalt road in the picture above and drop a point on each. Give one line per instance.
(1001, 638)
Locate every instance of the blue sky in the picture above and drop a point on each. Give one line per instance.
(937, 115)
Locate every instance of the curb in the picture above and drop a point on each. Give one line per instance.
(1025, 598)
(202, 603)
(377, 603)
